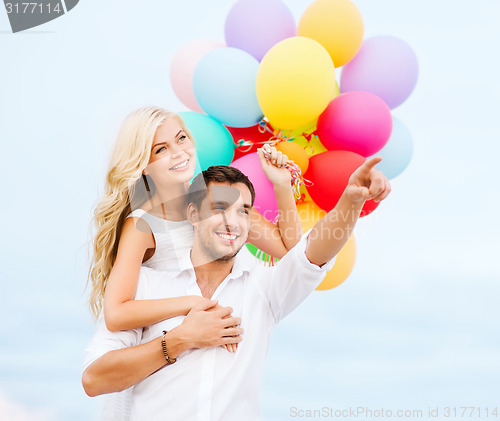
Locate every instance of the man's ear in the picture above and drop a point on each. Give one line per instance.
(193, 215)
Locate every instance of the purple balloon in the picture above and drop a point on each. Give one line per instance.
(385, 66)
(255, 26)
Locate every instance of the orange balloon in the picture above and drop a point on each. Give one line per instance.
(342, 268)
(296, 153)
(310, 214)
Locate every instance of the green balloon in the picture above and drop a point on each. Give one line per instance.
(252, 249)
(259, 254)
(214, 143)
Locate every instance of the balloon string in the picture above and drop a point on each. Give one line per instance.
(296, 175)
(301, 199)
(309, 137)
(274, 139)
(295, 172)
(266, 258)
(264, 126)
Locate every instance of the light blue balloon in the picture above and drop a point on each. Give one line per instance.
(224, 86)
(397, 152)
(214, 143)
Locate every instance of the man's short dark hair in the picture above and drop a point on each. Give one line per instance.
(219, 174)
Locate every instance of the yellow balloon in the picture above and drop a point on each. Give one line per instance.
(313, 145)
(299, 131)
(310, 214)
(336, 90)
(337, 25)
(295, 82)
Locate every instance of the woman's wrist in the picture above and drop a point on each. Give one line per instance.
(282, 187)
(194, 300)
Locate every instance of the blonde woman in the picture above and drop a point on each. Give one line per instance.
(141, 220)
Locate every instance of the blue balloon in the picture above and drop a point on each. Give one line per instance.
(224, 86)
(214, 143)
(397, 152)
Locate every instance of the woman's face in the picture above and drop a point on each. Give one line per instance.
(173, 155)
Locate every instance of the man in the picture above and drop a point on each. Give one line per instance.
(207, 382)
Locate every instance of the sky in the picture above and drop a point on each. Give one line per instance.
(416, 326)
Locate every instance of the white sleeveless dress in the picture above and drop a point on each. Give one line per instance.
(173, 239)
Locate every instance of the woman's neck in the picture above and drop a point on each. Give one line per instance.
(170, 205)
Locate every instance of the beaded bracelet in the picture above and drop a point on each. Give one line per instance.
(164, 348)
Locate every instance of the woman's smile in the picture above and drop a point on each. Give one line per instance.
(181, 166)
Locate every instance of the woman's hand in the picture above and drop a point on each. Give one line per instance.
(275, 168)
(195, 300)
(228, 347)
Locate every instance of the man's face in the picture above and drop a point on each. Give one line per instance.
(223, 220)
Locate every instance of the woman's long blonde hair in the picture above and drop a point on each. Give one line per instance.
(131, 154)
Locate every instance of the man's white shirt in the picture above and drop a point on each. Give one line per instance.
(212, 383)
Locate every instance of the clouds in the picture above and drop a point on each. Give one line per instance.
(13, 411)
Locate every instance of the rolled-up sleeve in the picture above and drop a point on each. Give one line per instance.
(104, 341)
(293, 279)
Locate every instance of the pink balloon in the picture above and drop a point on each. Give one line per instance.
(356, 121)
(182, 68)
(265, 200)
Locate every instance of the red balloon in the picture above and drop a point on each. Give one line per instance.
(330, 172)
(251, 134)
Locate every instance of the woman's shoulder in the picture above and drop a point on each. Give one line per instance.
(136, 213)
(136, 223)
(141, 214)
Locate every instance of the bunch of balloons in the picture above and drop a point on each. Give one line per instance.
(273, 81)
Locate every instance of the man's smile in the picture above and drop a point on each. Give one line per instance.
(227, 237)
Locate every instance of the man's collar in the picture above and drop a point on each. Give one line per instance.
(185, 262)
(240, 264)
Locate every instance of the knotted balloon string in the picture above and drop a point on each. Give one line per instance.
(263, 126)
(309, 137)
(242, 142)
(295, 173)
(301, 199)
(276, 138)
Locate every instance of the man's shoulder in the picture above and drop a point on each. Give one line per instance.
(154, 281)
